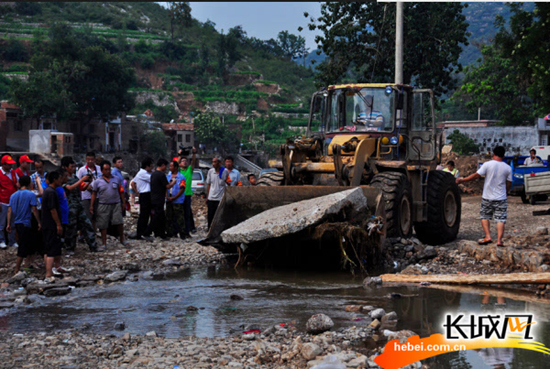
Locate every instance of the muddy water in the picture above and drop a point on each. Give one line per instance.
(270, 297)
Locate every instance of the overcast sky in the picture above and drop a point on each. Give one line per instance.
(261, 20)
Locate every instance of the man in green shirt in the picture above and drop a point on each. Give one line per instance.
(186, 169)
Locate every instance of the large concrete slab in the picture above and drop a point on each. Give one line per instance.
(294, 217)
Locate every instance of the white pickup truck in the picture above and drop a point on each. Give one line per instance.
(537, 186)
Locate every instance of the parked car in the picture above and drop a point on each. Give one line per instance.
(519, 172)
(197, 184)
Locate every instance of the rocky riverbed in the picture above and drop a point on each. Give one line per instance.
(280, 346)
(253, 347)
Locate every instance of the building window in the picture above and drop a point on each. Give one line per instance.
(187, 138)
(12, 115)
(47, 125)
(91, 128)
(180, 138)
(18, 126)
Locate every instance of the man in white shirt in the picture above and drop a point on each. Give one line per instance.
(93, 171)
(498, 181)
(216, 180)
(532, 159)
(141, 184)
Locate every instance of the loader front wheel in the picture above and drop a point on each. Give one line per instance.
(398, 203)
(444, 210)
(271, 179)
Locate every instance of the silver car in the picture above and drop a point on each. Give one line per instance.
(197, 184)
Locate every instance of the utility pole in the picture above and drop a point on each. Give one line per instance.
(399, 42)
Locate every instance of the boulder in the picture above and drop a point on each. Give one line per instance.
(292, 218)
(377, 314)
(116, 276)
(58, 291)
(372, 282)
(120, 326)
(310, 351)
(17, 278)
(319, 323)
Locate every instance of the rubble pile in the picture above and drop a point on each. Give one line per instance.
(466, 165)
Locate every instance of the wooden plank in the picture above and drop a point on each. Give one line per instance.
(511, 278)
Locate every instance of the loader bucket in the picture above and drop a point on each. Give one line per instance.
(242, 203)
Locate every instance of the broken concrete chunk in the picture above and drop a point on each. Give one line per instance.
(292, 218)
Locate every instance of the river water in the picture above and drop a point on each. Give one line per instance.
(270, 297)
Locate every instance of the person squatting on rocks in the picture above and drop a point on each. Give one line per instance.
(216, 180)
(78, 221)
(175, 212)
(8, 186)
(92, 171)
(187, 169)
(22, 207)
(498, 181)
(159, 185)
(108, 192)
(141, 185)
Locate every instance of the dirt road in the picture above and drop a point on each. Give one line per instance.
(521, 221)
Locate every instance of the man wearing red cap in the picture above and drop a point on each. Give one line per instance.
(8, 186)
(24, 163)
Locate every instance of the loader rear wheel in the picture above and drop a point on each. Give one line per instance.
(271, 179)
(398, 203)
(444, 210)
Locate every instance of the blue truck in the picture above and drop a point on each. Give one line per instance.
(519, 171)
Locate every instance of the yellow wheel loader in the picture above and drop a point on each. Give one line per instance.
(381, 137)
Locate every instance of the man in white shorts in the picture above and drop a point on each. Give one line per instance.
(498, 181)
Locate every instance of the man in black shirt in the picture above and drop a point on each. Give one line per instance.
(52, 229)
(159, 185)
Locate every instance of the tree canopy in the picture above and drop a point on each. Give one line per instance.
(72, 78)
(359, 40)
(513, 77)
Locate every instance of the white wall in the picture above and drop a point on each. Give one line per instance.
(514, 139)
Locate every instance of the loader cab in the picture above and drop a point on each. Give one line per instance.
(401, 114)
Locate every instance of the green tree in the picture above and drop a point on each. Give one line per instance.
(47, 92)
(291, 45)
(494, 85)
(14, 51)
(180, 16)
(462, 144)
(525, 41)
(210, 130)
(95, 81)
(360, 36)
(4, 87)
(154, 143)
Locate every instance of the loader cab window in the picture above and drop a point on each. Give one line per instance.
(422, 112)
(337, 111)
(369, 109)
(317, 112)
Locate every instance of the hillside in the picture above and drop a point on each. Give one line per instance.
(196, 69)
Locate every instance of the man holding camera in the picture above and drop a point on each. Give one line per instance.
(77, 216)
